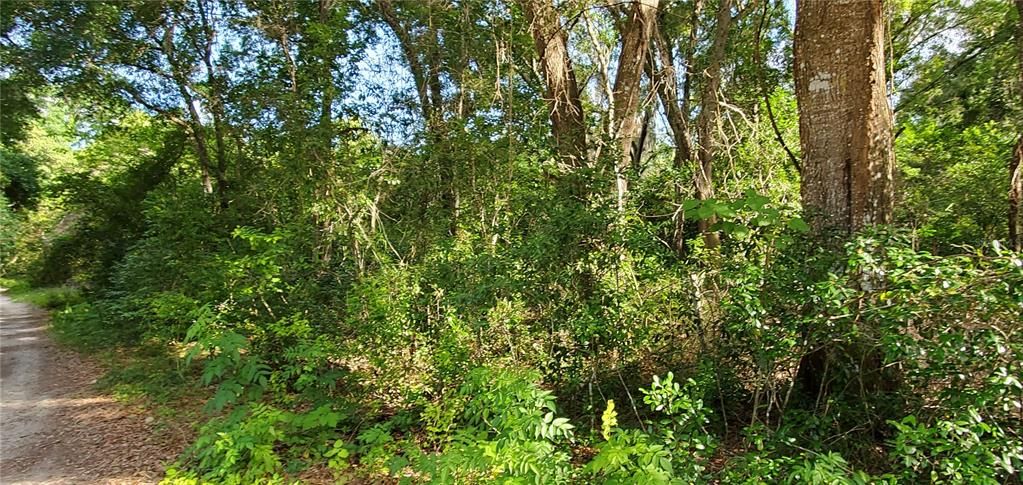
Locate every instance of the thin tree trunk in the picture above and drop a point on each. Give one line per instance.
(707, 120)
(1016, 196)
(423, 54)
(845, 121)
(665, 81)
(216, 107)
(408, 48)
(633, 58)
(436, 127)
(566, 110)
(1016, 165)
(195, 126)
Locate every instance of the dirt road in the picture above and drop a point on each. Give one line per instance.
(55, 428)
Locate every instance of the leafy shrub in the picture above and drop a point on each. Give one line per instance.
(965, 448)
(673, 449)
(509, 432)
(259, 442)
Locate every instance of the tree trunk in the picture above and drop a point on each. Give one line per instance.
(1016, 196)
(845, 121)
(676, 107)
(195, 126)
(1016, 165)
(198, 132)
(566, 110)
(423, 54)
(216, 102)
(845, 128)
(633, 58)
(707, 120)
(408, 48)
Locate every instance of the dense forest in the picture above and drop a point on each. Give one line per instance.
(534, 241)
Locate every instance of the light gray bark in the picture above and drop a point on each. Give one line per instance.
(1016, 165)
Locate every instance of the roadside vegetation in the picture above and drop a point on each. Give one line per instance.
(491, 262)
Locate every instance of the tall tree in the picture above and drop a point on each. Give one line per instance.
(162, 56)
(845, 128)
(1016, 166)
(631, 62)
(707, 120)
(444, 48)
(677, 105)
(845, 121)
(563, 94)
(568, 123)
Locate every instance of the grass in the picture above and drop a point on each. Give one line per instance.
(51, 297)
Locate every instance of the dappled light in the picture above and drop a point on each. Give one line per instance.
(511, 241)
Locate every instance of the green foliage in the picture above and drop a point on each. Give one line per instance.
(672, 449)
(52, 298)
(964, 448)
(509, 433)
(942, 168)
(83, 326)
(388, 279)
(9, 222)
(17, 109)
(19, 178)
(261, 442)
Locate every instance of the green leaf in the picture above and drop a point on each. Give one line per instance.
(798, 224)
(704, 212)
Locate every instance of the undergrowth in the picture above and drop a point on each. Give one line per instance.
(47, 297)
(293, 395)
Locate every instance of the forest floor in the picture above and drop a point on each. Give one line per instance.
(56, 427)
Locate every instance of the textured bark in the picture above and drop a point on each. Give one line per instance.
(566, 111)
(676, 106)
(664, 77)
(707, 120)
(845, 128)
(845, 121)
(631, 62)
(665, 80)
(1016, 165)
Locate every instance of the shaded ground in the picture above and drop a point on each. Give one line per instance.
(55, 428)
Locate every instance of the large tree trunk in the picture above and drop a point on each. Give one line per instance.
(566, 110)
(845, 128)
(845, 121)
(1016, 165)
(632, 60)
